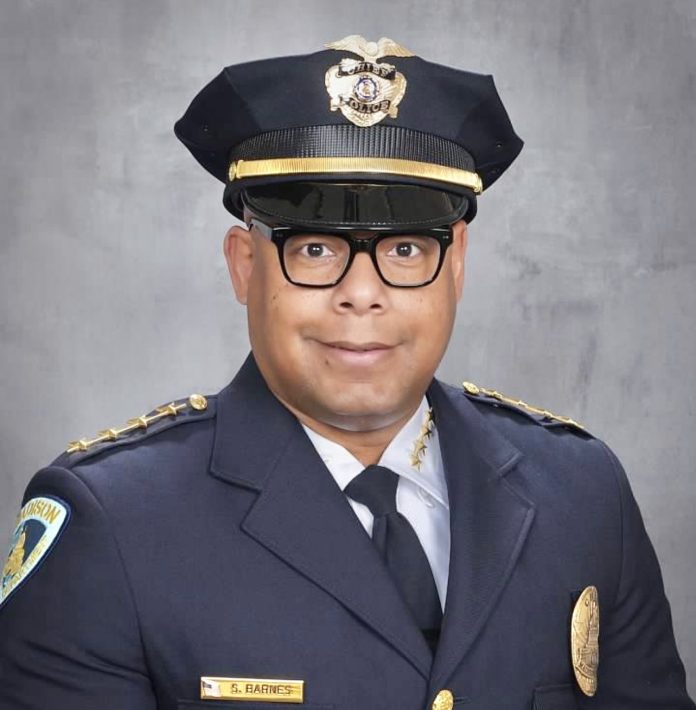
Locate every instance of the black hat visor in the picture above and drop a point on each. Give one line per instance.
(357, 205)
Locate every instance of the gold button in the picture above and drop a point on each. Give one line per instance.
(444, 700)
(198, 401)
(471, 388)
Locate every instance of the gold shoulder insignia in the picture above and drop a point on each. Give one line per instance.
(196, 402)
(475, 391)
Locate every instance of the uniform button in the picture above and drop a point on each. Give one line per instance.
(471, 388)
(444, 700)
(198, 402)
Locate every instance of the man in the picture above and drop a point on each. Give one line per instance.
(336, 528)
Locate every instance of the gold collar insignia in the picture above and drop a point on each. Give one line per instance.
(419, 445)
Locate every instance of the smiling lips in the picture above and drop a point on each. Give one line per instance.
(357, 353)
(358, 347)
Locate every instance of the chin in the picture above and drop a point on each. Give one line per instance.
(358, 412)
(358, 421)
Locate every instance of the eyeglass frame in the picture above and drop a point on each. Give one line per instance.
(279, 234)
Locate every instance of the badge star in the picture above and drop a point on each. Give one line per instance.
(419, 446)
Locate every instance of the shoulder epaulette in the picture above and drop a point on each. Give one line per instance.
(541, 416)
(194, 407)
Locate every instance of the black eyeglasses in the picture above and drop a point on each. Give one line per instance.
(317, 258)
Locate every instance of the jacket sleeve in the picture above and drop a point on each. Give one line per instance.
(639, 666)
(69, 634)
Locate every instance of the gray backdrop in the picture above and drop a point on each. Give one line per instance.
(580, 294)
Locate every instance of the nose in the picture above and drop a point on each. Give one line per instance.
(361, 290)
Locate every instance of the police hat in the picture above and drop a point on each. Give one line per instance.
(346, 138)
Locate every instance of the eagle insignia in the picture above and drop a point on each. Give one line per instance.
(366, 90)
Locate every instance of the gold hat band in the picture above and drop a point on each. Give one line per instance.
(241, 169)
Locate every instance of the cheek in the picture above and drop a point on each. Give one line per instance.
(429, 320)
(432, 310)
(266, 286)
(263, 298)
(277, 311)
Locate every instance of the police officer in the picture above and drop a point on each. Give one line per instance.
(336, 528)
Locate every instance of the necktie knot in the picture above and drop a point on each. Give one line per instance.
(375, 487)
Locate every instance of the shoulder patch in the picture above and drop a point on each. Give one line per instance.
(541, 416)
(190, 409)
(39, 525)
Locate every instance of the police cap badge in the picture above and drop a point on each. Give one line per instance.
(366, 90)
(359, 135)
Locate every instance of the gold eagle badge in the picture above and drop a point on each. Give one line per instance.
(366, 90)
(584, 640)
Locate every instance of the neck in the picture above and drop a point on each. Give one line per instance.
(366, 446)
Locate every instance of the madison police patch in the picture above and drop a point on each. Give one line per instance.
(40, 523)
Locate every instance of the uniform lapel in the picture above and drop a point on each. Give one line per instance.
(301, 515)
(489, 522)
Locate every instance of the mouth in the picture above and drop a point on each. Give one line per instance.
(355, 353)
(358, 347)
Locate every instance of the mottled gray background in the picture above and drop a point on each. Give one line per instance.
(582, 268)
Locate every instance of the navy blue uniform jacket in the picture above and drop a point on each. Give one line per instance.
(219, 545)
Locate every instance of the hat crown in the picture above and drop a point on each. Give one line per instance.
(430, 102)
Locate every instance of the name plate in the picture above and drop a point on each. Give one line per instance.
(268, 690)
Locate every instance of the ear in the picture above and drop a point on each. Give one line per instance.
(458, 255)
(239, 255)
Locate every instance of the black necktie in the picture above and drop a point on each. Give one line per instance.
(399, 546)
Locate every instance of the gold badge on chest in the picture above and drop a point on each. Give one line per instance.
(365, 90)
(584, 640)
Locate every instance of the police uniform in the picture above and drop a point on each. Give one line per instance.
(203, 555)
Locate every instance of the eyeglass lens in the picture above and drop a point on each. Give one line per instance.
(403, 260)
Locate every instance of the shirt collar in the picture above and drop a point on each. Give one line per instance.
(397, 456)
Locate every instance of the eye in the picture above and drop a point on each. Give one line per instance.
(315, 250)
(405, 250)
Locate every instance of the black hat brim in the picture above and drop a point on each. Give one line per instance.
(353, 204)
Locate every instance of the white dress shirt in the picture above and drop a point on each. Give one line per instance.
(421, 495)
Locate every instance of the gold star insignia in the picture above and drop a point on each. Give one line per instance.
(419, 445)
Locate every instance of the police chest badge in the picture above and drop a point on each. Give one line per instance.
(584, 640)
(365, 90)
(39, 524)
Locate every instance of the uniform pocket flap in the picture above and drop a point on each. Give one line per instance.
(555, 697)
